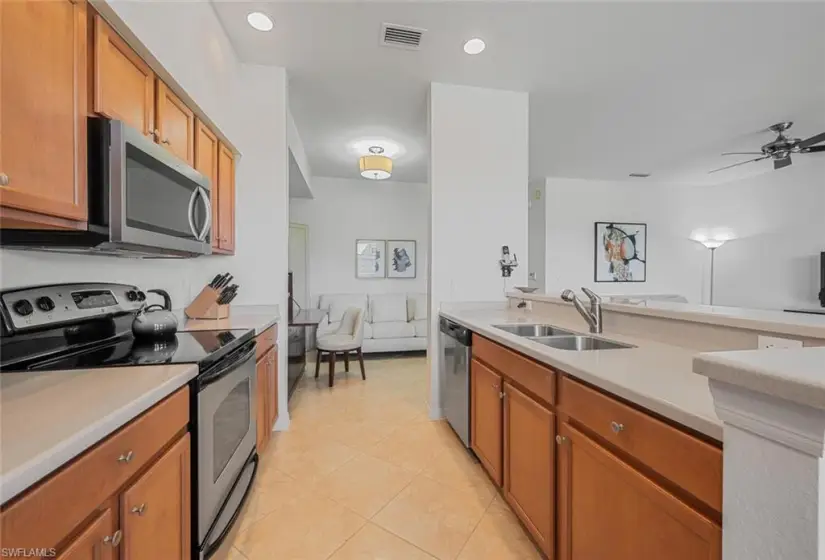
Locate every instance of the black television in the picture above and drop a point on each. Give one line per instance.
(822, 278)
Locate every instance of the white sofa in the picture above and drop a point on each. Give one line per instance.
(392, 322)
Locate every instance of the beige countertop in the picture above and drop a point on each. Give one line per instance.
(794, 374)
(48, 418)
(767, 320)
(258, 317)
(656, 376)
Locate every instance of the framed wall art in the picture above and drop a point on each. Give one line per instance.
(620, 252)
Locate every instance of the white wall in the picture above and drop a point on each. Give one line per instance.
(478, 172)
(344, 210)
(249, 104)
(778, 219)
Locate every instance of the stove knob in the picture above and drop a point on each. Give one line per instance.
(131, 295)
(141, 296)
(45, 303)
(23, 307)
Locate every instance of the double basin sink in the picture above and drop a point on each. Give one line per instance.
(561, 339)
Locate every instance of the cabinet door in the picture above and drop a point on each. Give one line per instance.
(226, 198)
(262, 376)
(272, 396)
(95, 542)
(43, 99)
(124, 83)
(529, 464)
(485, 414)
(175, 124)
(607, 509)
(206, 161)
(155, 510)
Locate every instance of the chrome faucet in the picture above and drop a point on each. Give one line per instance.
(594, 315)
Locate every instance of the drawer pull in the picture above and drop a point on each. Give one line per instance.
(115, 539)
(127, 458)
(139, 509)
(4, 180)
(616, 427)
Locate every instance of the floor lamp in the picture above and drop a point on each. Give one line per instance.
(712, 244)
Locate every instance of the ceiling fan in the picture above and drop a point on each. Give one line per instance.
(780, 150)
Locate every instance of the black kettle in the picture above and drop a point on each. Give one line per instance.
(156, 321)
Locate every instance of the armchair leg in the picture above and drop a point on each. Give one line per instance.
(346, 361)
(331, 368)
(361, 361)
(317, 364)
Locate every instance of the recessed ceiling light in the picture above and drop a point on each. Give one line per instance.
(260, 21)
(474, 46)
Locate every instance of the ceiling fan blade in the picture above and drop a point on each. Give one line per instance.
(742, 153)
(813, 149)
(812, 140)
(780, 163)
(738, 164)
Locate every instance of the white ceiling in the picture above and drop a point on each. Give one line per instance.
(615, 87)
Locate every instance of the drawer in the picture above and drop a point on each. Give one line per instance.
(266, 340)
(536, 378)
(690, 463)
(46, 514)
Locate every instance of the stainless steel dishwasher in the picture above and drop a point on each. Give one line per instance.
(455, 377)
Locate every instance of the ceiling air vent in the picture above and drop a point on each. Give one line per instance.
(640, 175)
(401, 36)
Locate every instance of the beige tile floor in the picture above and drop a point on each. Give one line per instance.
(362, 474)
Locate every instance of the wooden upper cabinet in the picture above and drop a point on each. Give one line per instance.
(529, 464)
(43, 103)
(485, 414)
(95, 542)
(206, 161)
(124, 85)
(607, 509)
(226, 199)
(175, 124)
(155, 510)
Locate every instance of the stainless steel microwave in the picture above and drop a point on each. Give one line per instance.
(143, 201)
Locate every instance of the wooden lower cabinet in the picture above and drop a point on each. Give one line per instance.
(529, 464)
(261, 391)
(94, 542)
(486, 418)
(272, 396)
(607, 509)
(155, 509)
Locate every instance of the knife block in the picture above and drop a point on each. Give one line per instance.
(206, 306)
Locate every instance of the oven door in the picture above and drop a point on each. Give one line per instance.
(225, 430)
(156, 200)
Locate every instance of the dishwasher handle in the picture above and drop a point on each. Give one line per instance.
(456, 331)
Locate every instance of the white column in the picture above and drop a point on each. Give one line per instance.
(772, 404)
(478, 172)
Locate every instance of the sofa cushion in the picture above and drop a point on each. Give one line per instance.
(420, 327)
(417, 307)
(367, 330)
(388, 308)
(337, 304)
(393, 329)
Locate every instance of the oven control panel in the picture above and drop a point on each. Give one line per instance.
(42, 306)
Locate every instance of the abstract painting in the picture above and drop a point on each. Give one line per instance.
(402, 257)
(370, 258)
(620, 252)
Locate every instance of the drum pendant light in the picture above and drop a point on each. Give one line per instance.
(375, 166)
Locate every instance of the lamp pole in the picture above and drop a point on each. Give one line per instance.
(712, 258)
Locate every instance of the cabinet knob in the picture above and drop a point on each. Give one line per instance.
(126, 458)
(561, 439)
(115, 539)
(139, 509)
(165, 141)
(4, 180)
(616, 427)
(155, 134)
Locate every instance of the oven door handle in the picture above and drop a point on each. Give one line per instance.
(211, 376)
(212, 548)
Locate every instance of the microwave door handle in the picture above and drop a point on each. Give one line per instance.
(207, 207)
(191, 212)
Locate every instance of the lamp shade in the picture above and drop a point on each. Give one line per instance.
(376, 167)
(713, 243)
